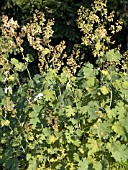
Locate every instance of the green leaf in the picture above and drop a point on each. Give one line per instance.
(93, 147)
(104, 90)
(37, 78)
(49, 95)
(93, 106)
(76, 142)
(76, 157)
(98, 45)
(74, 121)
(30, 137)
(63, 79)
(41, 138)
(105, 72)
(29, 58)
(97, 165)
(18, 65)
(118, 129)
(79, 132)
(14, 61)
(83, 110)
(2, 77)
(33, 114)
(37, 108)
(31, 83)
(105, 129)
(47, 132)
(124, 122)
(32, 164)
(51, 139)
(90, 82)
(83, 165)
(119, 151)
(111, 55)
(125, 85)
(70, 111)
(45, 51)
(6, 122)
(34, 122)
(88, 71)
(1, 93)
(28, 156)
(68, 137)
(111, 113)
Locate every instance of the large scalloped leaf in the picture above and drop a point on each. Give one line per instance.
(83, 164)
(119, 151)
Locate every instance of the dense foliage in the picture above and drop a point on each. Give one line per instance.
(61, 110)
(65, 15)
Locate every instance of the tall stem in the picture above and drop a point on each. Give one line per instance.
(26, 66)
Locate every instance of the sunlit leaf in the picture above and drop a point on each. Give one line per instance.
(118, 129)
(104, 90)
(82, 165)
(70, 111)
(52, 139)
(92, 146)
(98, 46)
(119, 151)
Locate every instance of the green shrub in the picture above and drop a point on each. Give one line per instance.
(54, 119)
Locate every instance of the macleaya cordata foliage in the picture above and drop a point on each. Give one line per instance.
(57, 119)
